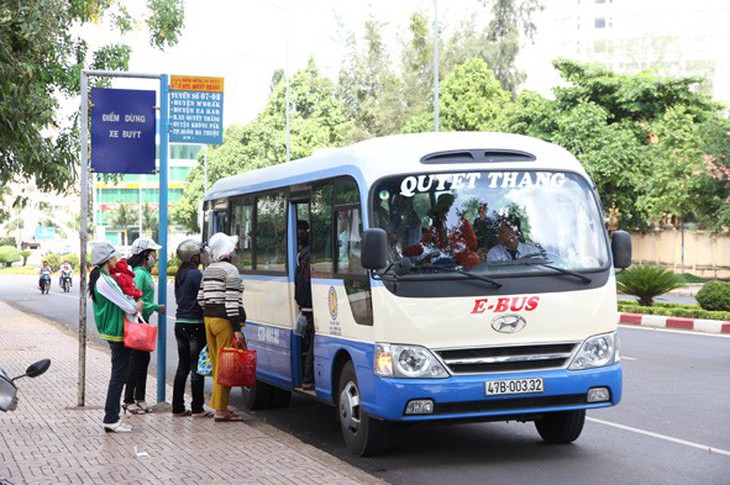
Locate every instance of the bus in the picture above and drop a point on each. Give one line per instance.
(455, 277)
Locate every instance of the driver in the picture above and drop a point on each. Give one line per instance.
(509, 246)
(66, 270)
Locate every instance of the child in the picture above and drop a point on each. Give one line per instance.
(125, 278)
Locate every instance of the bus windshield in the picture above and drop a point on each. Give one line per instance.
(491, 222)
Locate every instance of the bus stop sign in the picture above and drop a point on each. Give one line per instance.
(196, 110)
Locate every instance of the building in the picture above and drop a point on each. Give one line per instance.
(676, 39)
(140, 196)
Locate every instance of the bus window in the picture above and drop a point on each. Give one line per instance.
(241, 225)
(220, 221)
(270, 232)
(348, 242)
(321, 228)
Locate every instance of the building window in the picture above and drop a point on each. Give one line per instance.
(600, 23)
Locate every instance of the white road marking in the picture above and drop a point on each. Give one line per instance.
(710, 449)
(623, 357)
(671, 330)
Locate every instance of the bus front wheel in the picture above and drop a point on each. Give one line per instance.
(258, 397)
(364, 435)
(561, 427)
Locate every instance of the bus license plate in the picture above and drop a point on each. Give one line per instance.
(513, 386)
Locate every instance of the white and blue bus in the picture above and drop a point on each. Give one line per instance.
(455, 276)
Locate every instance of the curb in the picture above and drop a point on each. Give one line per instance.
(657, 321)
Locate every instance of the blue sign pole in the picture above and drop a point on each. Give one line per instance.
(162, 282)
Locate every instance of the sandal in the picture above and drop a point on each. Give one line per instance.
(228, 417)
(204, 414)
(187, 412)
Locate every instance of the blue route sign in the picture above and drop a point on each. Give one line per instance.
(196, 110)
(122, 131)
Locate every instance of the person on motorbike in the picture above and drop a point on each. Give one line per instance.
(45, 275)
(66, 271)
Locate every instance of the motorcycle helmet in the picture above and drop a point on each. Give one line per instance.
(187, 249)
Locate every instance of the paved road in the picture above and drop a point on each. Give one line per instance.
(672, 426)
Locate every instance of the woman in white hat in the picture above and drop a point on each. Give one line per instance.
(143, 259)
(221, 296)
(110, 305)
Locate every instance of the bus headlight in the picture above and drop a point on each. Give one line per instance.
(407, 361)
(597, 351)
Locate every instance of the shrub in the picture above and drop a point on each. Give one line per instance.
(25, 254)
(714, 296)
(8, 241)
(673, 310)
(56, 260)
(9, 255)
(646, 282)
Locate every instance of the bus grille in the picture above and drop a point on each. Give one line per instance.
(515, 404)
(506, 359)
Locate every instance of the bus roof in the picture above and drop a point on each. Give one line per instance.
(375, 158)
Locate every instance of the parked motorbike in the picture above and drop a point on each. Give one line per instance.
(45, 283)
(8, 389)
(66, 282)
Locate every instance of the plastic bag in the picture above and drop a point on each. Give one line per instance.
(139, 335)
(236, 366)
(300, 325)
(205, 368)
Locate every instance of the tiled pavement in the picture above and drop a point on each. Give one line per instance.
(50, 440)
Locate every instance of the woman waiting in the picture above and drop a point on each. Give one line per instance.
(143, 259)
(189, 330)
(110, 304)
(220, 295)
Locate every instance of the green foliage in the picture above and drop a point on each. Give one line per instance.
(673, 310)
(25, 254)
(55, 260)
(41, 56)
(8, 241)
(124, 218)
(9, 255)
(714, 296)
(646, 282)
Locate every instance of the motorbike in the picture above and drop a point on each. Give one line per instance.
(8, 389)
(66, 282)
(45, 283)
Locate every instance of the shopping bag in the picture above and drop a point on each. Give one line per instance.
(236, 366)
(300, 325)
(205, 368)
(139, 335)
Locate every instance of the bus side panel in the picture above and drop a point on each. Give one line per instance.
(325, 349)
(273, 357)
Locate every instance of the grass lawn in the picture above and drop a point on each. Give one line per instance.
(27, 269)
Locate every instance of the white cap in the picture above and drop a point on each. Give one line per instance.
(101, 252)
(143, 244)
(221, 245)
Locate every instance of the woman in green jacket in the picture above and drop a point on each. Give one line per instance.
(143, 259)
(110, 305)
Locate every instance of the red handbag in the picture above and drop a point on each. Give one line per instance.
(139, 335)
(236, 366)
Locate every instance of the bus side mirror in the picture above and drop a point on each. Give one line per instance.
(621, 249)
(374, 249)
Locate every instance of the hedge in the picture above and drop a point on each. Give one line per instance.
(673, 310)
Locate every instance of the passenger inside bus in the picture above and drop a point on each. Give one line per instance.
(303, 297)
(440, 244)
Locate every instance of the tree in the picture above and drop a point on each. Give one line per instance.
(124, 218)
(150, 221)
(317, 118)
(41, 56)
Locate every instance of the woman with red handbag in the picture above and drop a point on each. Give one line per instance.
(221, 297)
(143, 259)
(110, 305)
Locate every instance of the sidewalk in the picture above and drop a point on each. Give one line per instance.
(49, 440)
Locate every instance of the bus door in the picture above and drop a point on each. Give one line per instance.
(300, 225)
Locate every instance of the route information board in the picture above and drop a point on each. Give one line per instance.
(196, 110)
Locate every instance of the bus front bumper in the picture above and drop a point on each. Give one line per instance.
(465, 397)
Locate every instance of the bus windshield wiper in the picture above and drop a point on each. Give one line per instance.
(478, 277)
(540, 259)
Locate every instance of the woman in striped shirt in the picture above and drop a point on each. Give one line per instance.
(221, 296)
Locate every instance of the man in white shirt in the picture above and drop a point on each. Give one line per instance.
(509, 246)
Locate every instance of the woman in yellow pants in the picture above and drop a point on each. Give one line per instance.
(221, 296)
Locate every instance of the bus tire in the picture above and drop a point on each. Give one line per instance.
(561, 427)
(364, 436)
(280, 398)
(258, 397)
